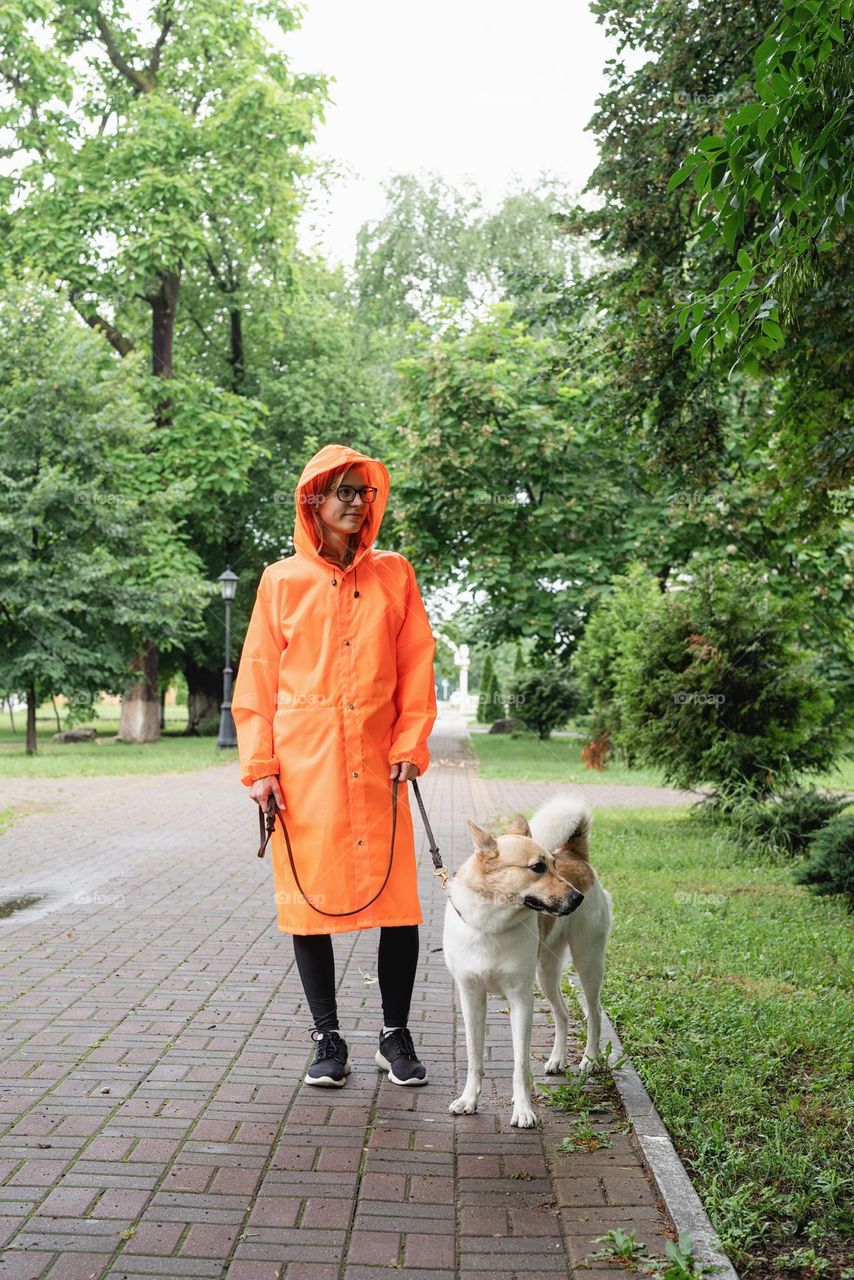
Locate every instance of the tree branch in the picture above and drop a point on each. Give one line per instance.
(157, 48)
(138, 78)
(116, 339)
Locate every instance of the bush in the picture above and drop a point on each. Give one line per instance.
(710, 683)
(831, 866)
(634, 595)
(209, 726)
(543, 698)
(782, 825)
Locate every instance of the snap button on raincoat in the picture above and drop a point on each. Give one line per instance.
(335, 684)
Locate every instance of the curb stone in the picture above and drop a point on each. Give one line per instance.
(663, 1164)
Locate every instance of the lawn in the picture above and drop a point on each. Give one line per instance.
(731, 990)
(174, 753)
(528, 759)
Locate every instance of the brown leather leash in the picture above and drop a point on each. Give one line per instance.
(267, 822)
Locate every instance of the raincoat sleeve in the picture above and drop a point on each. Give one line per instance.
(254, 700)
(415, 694)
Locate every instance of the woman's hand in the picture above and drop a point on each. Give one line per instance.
(261, 789)
(404, 771)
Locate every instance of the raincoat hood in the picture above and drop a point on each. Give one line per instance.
(327, 459)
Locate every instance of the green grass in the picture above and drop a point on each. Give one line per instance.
(840, 778)
(174, 753)
(526, 759)
(731, 990)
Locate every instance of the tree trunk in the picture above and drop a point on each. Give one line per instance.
(31, 720)
(235, 358)
(56, 714)
(164, 305)
(140, 717)
(204, 691)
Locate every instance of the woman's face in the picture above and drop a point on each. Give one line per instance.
(345, 517)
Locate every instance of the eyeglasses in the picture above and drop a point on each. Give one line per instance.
(347, 493)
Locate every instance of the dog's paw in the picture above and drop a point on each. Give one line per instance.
(523, 1116)
(586, 1065)
(463, 1106)
(555, 1066)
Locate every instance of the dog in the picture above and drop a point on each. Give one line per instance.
(514, 908)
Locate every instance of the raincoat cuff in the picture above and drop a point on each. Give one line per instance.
(419, 756)
(259, 769)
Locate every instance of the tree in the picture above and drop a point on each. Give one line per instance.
(778, 177)
(512, 490)
(155, 151)
(93, 553)
(436, 241)
(692, 70)
(488, 688)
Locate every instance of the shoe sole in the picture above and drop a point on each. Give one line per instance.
(386, 1066)
(327, 1081)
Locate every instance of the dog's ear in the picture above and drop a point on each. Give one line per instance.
(483, 841)
(519, 826)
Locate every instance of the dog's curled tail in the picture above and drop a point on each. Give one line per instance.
(563, 823)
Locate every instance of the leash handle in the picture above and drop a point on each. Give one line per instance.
(273, 811)
(268, 822)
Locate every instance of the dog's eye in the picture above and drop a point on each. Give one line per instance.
(539, 867)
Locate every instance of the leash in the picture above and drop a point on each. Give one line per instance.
(266, 823)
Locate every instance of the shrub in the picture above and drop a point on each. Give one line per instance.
(710, 683)
(543, 698)
(831, 865)
(633, 595)
(783, 824)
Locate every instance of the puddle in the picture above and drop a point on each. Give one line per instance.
(9, 906)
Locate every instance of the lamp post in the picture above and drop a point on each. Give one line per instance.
(227, 732)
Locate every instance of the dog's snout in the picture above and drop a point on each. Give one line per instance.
(574, 901)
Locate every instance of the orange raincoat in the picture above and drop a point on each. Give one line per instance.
(335, 684)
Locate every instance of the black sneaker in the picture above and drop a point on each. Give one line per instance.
(397, 1056)
(331, 1064)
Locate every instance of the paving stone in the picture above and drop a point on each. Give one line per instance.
(152, 1076)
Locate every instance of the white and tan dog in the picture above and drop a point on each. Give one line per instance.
(514, 908)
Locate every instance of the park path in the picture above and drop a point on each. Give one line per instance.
(154, 1035)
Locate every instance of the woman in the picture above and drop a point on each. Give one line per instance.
(334, 697)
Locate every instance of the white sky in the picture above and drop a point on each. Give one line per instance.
(485, 89)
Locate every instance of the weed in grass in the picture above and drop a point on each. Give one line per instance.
(623, 1247)
(804, 1259)
(584, 1137)
(571, 1096)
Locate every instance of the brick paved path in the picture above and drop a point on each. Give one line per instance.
(154, 1033)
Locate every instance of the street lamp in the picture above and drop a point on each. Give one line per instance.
(227, 732)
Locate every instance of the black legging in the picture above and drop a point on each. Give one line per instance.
(397, 961)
